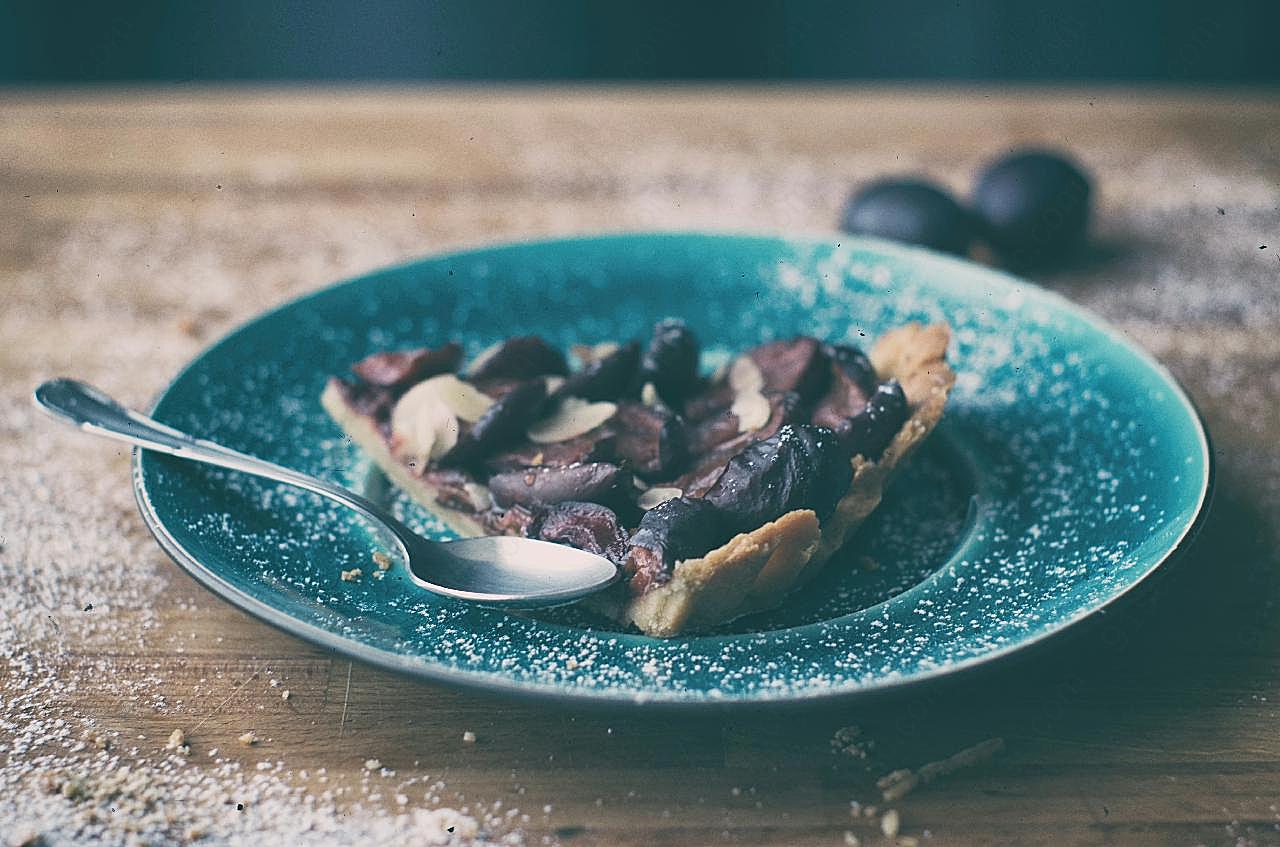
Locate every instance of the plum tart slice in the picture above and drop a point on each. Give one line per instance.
(717, 495)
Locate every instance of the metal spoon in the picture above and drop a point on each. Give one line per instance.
(499, 570)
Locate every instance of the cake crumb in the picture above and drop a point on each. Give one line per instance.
(468, 737)
(176, 739)
(96, 738)
(850, 839)
(382, 560)
(848, 741)
(898, 784)
(372, 764)
(890, 822)
(284, 695)
(352, 575)
(248, 739)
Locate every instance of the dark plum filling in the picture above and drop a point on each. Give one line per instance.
(825, 404)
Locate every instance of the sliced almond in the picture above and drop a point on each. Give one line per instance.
(423, 425)
(649, 395)
(462, 398)
(479, 495)
(572, 418)
(745, 375)
(752, 410)
(655, 496)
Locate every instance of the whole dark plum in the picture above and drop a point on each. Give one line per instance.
(913, 211)
(1033, 206)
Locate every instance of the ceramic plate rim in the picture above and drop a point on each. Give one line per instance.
(494, 683)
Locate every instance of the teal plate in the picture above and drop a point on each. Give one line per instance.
(1068, 468)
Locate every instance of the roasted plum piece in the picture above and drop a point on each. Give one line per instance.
(587, 526)
(712, 457)
(870, 432)
(721, 433)
(801, 467)
(711, 432)
(498, 387)
(596, 445)
(516, 520)
(400, 368)
(798, 365)
(599, 482)
(459, 490)
(502, 424)
(853, 380)
(854, 364)
(374, 401)
(670, 361)
(650, 440)
(522, 357)
(715, 398)
(674, 530)
(606, 378)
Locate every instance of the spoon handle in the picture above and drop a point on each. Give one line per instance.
(94, 411)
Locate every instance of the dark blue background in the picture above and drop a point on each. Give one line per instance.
(291, 40)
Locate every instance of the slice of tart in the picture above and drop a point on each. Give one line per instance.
(717, 495)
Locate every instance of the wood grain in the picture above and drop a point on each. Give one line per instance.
(194, 209)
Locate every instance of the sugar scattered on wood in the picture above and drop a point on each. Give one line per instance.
(890, 822)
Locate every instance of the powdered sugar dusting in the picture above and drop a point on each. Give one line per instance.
(1047, 401)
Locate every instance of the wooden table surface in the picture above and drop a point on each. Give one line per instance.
(136, 226)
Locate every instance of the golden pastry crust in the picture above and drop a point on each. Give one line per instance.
(754, 570)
